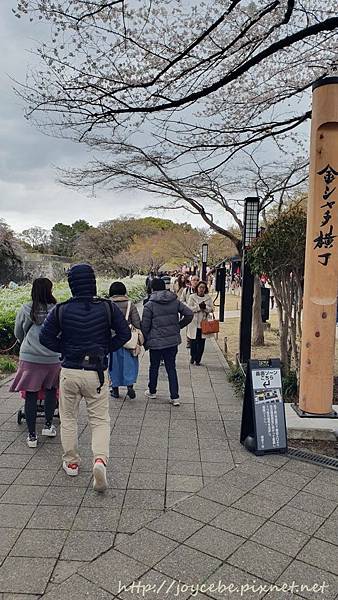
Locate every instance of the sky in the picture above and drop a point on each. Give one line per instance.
(29, 192)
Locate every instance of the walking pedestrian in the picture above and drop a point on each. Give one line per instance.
(201, 305)
(180, 286)
(124, 366)
(39, 367)
(81, 330)
(163, 318)
(190, 289)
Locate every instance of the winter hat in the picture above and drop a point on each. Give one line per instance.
(157, 285)
(117, 289)
(81, 280)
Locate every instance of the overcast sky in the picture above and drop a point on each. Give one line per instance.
(29, 193)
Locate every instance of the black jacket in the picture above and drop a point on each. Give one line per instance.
(163, 318)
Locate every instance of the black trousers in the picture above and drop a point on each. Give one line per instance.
(197, 347)
(169, 357)
(31, 402)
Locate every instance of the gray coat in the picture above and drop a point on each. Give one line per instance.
(27, 333)
(163, 318)
(122, 303)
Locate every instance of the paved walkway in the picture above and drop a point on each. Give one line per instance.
(187, 503)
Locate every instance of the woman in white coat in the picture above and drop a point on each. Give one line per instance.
(201, 305)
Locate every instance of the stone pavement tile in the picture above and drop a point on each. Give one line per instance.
(281, 538)
(112, 498)
(15, 515)
(327, 476)
(62, 480)
(220, 491)
(8, 537)
(288, 478)
(184, 454)
(7, 476)
(323, 489)
(45, 463)
(257, 467)
(175, 526)
(63, 570)
(144, 465)
(3, 489)
(277, 493)
(216, 542)
(23, 494)
(111, 570)
(122, 465)
(215, 455)
(237, 521)
(14, 461)
(313, 504)
(320, 554)
(25, 575)
(257, 505)
(86, 545)
(44, 543)
(302, 468)
(146, 546)
(298, 519)
(144, 499)
(77, 588)
(96, 519)
(199, 508)
(211, 469)
(63, 496)
(146, 451)
(329, 531)
(147, 481)
(242, 480)
(184, 467)
(156, 585)
(260, 561)
(118, 451)
(132, 519)
(183, 442)
(117, 481)
(19, 596)
(184, 483)
(45, 517)
(228, 582)
(188, 565)
(213, 444)
(38, 477)
(308, 576)
(173, 498)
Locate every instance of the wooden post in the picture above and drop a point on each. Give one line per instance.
(321, 259)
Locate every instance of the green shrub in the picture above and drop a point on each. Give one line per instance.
(290, 386)
(7, 339)
(7, 365)
(237, 378)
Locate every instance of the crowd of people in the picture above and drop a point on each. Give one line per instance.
(80, 348)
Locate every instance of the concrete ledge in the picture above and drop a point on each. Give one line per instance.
(308, 428)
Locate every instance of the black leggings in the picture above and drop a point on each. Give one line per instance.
(197, 347)
(31, 402)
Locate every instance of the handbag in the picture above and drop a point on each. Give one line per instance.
(135, 333)
(209, 326)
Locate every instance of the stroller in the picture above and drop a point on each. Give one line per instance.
(40, 406)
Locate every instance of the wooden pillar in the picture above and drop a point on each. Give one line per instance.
(321, 259)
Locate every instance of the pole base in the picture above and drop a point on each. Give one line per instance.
(302, 413)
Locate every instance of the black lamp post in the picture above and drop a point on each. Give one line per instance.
(205, 249)
(250, 232)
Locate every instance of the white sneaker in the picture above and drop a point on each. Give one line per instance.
(149, 395)
(72, 469)
(32, 441)
(175, 402)
(100, 476)
(49, 431)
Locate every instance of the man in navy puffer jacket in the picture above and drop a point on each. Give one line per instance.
(81, 330)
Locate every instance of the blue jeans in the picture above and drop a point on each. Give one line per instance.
(169, 357)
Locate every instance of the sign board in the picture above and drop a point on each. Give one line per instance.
(263, 418)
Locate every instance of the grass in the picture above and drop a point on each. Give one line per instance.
(7, 365)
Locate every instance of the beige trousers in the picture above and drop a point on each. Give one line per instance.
(76, 384)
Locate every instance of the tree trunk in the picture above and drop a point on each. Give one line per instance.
(257, 323)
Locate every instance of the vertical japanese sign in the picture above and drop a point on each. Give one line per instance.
(321, 259)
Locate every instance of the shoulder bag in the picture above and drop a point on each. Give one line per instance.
(209, 326)
(135, 333)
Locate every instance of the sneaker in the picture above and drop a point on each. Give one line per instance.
(192, 361)
(49, 431)
(32, 441)
(114, 392)
(100, 476)
(175, 402)
(131, 393)
(72, 469)
(149, 395)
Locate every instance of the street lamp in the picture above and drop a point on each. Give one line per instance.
(205, 249)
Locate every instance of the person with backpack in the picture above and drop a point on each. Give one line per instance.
(81, 329)
(39, 367)
(123, 368)
(163, 318)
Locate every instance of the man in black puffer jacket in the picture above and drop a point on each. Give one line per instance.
(81, 330)
(163, 318)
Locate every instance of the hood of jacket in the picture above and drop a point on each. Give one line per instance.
(163, 296)
(41, 314)
(81, 280)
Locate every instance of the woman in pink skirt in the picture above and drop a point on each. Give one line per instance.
(38, 367)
